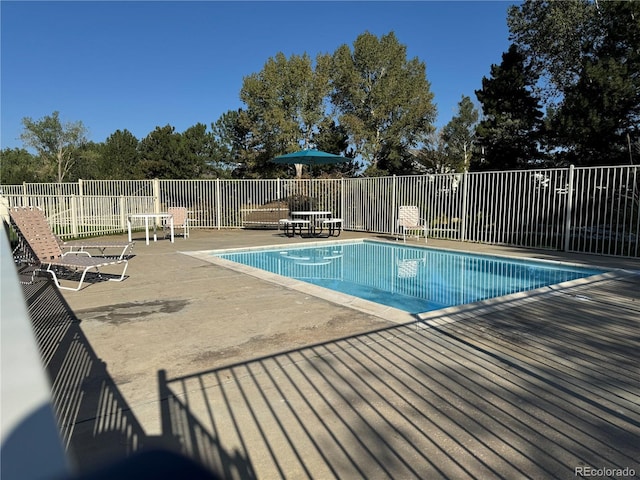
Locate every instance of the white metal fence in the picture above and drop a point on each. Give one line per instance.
(591, 210)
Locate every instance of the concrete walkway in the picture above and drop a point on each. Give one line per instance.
(259, 380)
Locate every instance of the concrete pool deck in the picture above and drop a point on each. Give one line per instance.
(263, 381)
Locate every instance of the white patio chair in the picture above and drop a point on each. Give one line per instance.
(409, 221)
(39, 247)
(180, 220)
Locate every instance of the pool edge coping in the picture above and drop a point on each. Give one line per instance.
(392, 314)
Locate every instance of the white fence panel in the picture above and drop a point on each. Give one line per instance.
(593, 210)
(606, 212)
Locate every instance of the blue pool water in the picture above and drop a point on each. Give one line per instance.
(408, 278)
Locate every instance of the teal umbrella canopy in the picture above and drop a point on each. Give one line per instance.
(310, 157)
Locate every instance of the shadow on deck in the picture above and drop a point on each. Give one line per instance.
(536, 388)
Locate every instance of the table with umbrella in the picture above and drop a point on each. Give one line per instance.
(313, 157)
(309, 157)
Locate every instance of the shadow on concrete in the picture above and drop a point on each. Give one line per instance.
(98, 428)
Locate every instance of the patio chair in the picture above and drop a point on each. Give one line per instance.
(38, 246)
(180, 221)
(82, 245)
(409, 221)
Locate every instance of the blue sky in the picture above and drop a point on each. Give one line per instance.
(138, 65)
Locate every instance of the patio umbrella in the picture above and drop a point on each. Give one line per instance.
(309, 157)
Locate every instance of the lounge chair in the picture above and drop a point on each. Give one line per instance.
(180, 220)
(409, 221)
(39, 247)
(102, 245)
(82, 245)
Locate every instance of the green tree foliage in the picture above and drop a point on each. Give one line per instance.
(235, 146)
(433, 156)
(88, 164)
(510, 129)
(334, 139)
(384, 100)
(119, 156)
(459, 135)
(56, 143)
(17, 165)
(588, 57)
(160, 154)
(285, 103)
(196, 148)
(552, 37)
(600, 114)
(165, 153)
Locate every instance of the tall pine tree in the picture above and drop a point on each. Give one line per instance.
(510, 130)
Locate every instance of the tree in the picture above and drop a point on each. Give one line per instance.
(285, 104)
(600, 114)
(160, 154)
(459, 135)
(384, 100)
(196, 148)
(120, 156)
(17, 165)
(552, 37)
(510, 129)
(89, 163)
(234, 144)
(588, 57)
(55, 143)
(432, 157)
(333, 138)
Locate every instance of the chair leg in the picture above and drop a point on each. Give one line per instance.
(82, 277)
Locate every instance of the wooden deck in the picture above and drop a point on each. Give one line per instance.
(533, 388)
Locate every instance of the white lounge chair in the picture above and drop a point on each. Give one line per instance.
(39, 247)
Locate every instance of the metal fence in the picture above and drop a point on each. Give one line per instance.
(591, 210)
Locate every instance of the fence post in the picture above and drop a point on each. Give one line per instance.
(569, 210)
(342, 210)
(156, 195)
(123, 215)
(278, 189)
(393, 205)
(81, 198)
(218, 206)
(463, 213)
(74, 216)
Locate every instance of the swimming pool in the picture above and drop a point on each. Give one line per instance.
(411, 279)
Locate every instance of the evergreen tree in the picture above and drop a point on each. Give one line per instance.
(333, 138)
(196, 148)
(587, 55)
(600, 113)
(119, 156)
(160, 155)
(511, 126)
